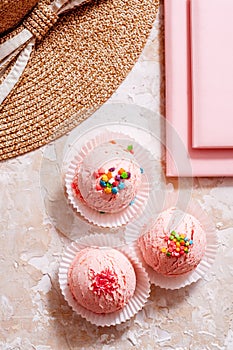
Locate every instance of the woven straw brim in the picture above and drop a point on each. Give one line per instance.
(12, 12)
(73, 71)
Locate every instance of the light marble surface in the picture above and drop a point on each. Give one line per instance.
(36, 225)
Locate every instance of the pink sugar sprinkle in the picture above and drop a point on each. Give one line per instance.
(103, 282)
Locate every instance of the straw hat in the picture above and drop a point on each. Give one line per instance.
(61, 62)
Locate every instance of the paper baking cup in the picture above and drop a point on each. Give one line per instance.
(134, 229)
(142, 156)
(134, 305)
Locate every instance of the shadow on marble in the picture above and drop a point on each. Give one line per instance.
(70, 330)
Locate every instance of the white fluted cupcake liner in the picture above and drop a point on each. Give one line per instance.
(153, 209)
(135, 304)
(142, 156)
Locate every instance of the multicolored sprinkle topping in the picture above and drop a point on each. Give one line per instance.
(111, 181)
(177, 245)
(105, 282)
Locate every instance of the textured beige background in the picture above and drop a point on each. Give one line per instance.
(33, 313)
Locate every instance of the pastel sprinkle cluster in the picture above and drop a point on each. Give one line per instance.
(111, 181)
(105, 282)
(177, 245)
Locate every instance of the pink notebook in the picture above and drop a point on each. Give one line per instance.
(182, 159)
(212, 73)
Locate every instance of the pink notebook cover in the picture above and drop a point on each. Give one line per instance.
(212, 73)
(182, 159)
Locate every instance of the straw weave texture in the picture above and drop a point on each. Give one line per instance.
(17, 10)
(73, 71)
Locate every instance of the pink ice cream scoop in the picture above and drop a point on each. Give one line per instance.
(108, 178)
(174, 243)
(101, 279)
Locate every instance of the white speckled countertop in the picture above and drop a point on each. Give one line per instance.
(35, 227)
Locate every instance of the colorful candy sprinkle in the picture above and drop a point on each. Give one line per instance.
(114, 190)
(111, 181)
(101, 171)
(104, 178)
(177, 245)
(130, 149)
(121, 186)
(124, 175)
(102, 183)
(109, 175)
(132, 201)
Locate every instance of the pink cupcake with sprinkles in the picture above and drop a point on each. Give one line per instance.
(104, 284)
(173, 244)
(108, 180)
(176, 242)
(108, 185)
(101, 280)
